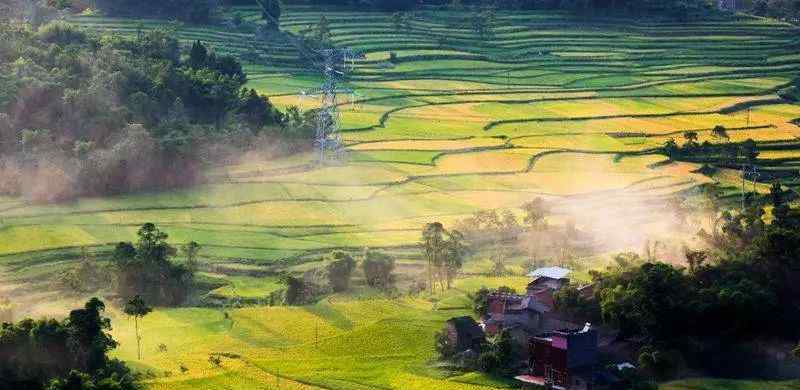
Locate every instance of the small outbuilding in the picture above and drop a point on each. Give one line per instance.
(465, 334)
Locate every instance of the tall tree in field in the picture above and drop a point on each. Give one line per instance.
(720, 132)
(444, 251)
(137, 308)
(340, 270)
(397, 20)
(691, 138)
(378, 268)
(191, 249)
(434, 249)
(198, 55)
(323, 30)
(535, 211)
(455, 250)
(534, 220)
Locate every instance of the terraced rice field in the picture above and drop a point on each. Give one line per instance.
(457, 123)
(549, 106)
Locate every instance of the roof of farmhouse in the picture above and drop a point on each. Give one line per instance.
(550, 272)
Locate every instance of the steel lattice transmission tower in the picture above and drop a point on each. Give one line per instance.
(333, 63)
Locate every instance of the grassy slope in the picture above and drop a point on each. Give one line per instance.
(448, 130)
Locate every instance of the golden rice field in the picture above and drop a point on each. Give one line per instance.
(457, 124)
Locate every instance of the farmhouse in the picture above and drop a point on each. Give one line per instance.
(523, 316)
(563, 359)
(465, 334)
(545, 282)
(530, 312)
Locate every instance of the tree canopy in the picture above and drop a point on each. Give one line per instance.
(145, 270)
(340, 269)
(68, 354)
(78, 110)
(749, 272)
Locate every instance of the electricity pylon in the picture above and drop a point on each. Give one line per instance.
(333, 63)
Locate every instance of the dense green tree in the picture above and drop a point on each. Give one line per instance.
(145, 270)
(480, 299)
(497, 355)
(88, 340)
(695, 259)
(445, 348)
(295, 289)
(434, 248)
(783, 215)
(660, 362)
(649, 300)
(257, 111)
(93, 104)
(480, 302)
(378, 269)
(535, 212)
(455, 251)
(719, 131)
(191, 249)
(64, 354)
(198, 55)
(75, 380)
(340, 270)
(569, 300)
(323, 30)
(691, 138)
(444, 252)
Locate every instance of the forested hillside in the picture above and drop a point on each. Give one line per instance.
(79, 110)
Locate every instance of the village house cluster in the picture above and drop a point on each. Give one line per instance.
(552, 351)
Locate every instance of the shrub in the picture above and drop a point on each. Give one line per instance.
(62, 33)
(340, 271)
(444, 347)
(378, 268)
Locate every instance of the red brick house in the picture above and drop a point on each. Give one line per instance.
(563, 359)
